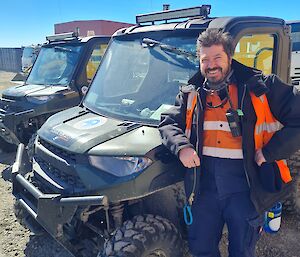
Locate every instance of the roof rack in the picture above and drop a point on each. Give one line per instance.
(62, 36)
(203, 11)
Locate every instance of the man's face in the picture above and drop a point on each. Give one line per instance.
(214, 63)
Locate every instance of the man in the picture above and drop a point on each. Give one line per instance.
(222, 129)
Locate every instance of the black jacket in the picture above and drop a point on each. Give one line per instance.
(285, 106)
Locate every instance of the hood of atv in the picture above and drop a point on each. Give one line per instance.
(31, 90)
(80, 131)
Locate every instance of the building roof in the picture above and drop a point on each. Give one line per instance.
(90, 27)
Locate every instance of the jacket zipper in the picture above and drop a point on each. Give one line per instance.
(242, 105)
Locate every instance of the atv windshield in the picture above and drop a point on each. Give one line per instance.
(139, 77)
(55, 65)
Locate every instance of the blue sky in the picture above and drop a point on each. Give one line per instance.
(25, 22)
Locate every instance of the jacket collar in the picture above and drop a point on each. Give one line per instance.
(244, 75)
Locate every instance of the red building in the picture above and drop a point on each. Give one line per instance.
(90, 27)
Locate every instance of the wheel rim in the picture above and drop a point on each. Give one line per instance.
(157, 253)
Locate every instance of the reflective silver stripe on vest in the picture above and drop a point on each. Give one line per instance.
(216, 125)
(268, 127)
(223, 152)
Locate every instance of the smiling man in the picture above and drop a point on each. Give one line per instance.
(224, 130)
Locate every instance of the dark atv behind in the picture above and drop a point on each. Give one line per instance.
(102, 184)
(63, 69)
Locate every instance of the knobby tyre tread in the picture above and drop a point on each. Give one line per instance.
(144, 236)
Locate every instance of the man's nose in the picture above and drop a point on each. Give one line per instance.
(210, 64)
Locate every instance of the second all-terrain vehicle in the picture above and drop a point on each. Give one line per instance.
(102, 184)
(59, 77)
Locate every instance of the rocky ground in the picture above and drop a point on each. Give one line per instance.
(17, 241)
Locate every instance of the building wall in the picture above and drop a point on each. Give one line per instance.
(90, 27)
(11, 59)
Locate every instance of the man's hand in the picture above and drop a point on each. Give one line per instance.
(259, 157)
(189, 157)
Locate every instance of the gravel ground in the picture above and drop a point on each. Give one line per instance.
(5, 78)
(17, 241)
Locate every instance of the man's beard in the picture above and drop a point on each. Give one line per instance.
(219, 85)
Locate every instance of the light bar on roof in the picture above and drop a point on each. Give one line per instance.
(203, 10)
(61, 36)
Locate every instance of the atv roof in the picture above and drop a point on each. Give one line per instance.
(192, 22)
(72, 37)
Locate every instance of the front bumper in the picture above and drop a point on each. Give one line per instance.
(51, 211)
(9, 116)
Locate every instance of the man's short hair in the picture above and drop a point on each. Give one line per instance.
(211, 37)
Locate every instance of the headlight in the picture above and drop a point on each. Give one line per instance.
(120, 166)
(39, 99)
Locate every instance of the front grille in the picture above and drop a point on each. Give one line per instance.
(64, 154)
(65, 177)
(70, 182)
(296, 71)
(296, 82)
(295, 76)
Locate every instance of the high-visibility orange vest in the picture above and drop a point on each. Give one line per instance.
(266, 125)
(217, 138)
(191, 105)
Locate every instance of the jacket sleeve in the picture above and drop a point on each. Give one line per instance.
(172, 126)
(285, 106)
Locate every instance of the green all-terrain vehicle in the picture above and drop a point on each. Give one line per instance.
(64, 68)
(102, 184)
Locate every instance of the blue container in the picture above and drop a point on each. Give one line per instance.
(273, 219)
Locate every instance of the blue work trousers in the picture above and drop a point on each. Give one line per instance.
(210, 213)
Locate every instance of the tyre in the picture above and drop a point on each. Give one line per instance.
(6, 147)
(145, 236)
(292, 204)
(30, 146)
